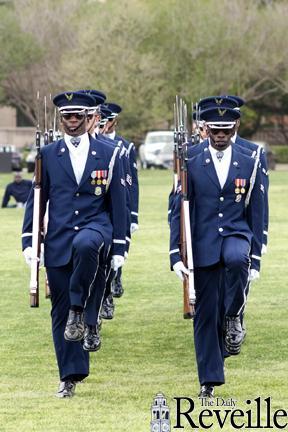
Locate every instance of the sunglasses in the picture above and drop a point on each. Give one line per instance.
(216, 131)
(78, 116)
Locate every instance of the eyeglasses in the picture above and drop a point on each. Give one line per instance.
(215, 131)
(78, 116)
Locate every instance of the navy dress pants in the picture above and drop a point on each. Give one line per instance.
(79, 283)
(88, 260)
(220, 291)
(72, 360)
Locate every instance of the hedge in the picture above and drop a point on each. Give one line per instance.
(281, 153)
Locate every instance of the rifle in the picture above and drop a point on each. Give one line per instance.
(195, 135)
(48, 138)
(176, 158)
(36, 226)
(185, 228)
(51, 128)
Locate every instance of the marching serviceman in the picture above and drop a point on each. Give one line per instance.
(132, 180)
(81, 178)
(259, 152)
(246, 147)
(226, 200)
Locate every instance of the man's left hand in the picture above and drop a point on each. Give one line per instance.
(117, 262)
(253, 275)
(133, 227)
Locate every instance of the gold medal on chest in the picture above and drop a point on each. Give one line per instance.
(242, 190)
(99, 182)
(237, 190)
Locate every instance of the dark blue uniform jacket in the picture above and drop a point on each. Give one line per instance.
(73, 207)
(216, 213)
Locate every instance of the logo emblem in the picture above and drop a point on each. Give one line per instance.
(221, 112)
(69, 97)
(160, 415)
(218, 101)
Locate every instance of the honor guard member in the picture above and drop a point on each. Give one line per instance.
(82, 181)
(132, 180)
(245, 147)
(226, 199)
(108, 306)
(94, 112)
(235, 102)
(258, 151)
(99, 119)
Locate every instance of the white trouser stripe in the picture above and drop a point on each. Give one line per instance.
(89, 289)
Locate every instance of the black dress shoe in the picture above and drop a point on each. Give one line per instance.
(92, 341)
(233, 335)
(117, 288)
(206, 391)
(74, 330)
(107, 311)
(66, 389)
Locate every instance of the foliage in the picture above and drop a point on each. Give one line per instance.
(143, 52)
(281, 154)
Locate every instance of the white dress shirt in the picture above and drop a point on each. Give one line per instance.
(233, 138)
(221, 166)
(78, 155)
(110, 135)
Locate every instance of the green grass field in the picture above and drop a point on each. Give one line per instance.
(148, 347)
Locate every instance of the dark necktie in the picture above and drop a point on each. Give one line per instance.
(75, 141)
(220, 155)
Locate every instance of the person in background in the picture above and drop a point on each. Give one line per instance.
(19, 190)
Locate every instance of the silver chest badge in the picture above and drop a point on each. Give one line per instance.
(98, 190)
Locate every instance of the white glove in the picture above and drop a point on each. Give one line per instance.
(264, 249)
(133, 227)
(28, 255)
(179, 269)
(117, 262)
(253, 275)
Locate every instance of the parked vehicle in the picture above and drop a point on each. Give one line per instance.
(157, 150)
(30, 160)
(13, 155)
(16, 161)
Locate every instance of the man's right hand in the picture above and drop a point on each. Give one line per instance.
(28, 255)
(180, 270)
